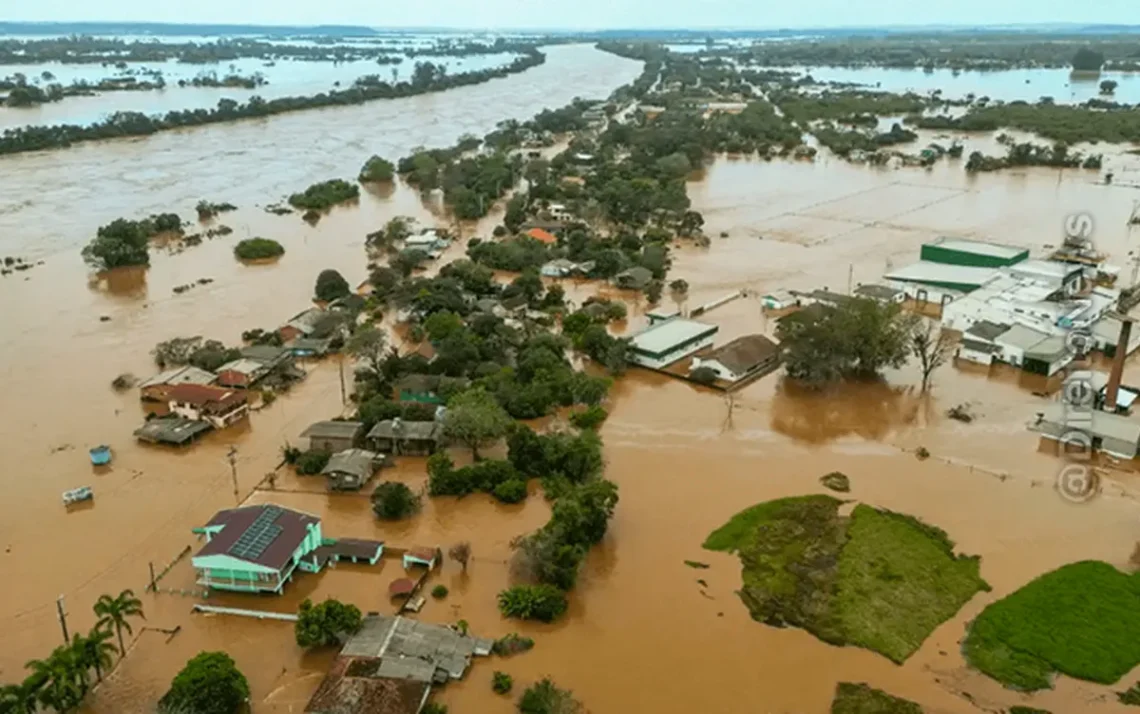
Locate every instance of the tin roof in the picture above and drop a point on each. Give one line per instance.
(332, 429)
(201, 396)
(354, 462)
(416, 430)
(664, 336)
(266, 535)
(986, 330)
(542, 236)
(964, 245)
(1095, 422)
(929, 272)
(187, 374)
(744, 353)
(243, 366)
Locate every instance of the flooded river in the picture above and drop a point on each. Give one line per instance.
(642, 634)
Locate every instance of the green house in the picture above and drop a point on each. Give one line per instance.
(429, 388)
(256, 548)
(972, 253)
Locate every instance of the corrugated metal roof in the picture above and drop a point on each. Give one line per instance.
(1021, 337)
(1096, 422)
(965, 245)
(664, 336)
(928, 272)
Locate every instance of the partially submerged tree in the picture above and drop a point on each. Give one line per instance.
(377, 169)
(461, 553)
(545, 698)
(115, 613)
(476, 420)
(326, 623)
(931, 347)
(393, 500)
(210, 683)
(331, 285)
(370, 345)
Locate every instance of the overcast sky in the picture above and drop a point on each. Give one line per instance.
(582, 13)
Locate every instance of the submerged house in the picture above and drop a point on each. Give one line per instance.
(429, 388)
(332, 436)
(241, 373)
(743, 357)
(636, 278)
(255, 548)
(396, 436)
(1112, 434)
(350, 469)
(218, 407)
(157, 387)
(666, 342)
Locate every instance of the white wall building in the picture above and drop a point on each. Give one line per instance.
(666, 342)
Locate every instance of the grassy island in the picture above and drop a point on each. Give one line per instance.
(875, 579)
(862, 699)
(1082, 620)
(258, 249)
(325, 194)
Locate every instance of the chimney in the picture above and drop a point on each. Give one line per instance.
(1117, 372)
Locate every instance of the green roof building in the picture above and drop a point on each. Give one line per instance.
(972, 253)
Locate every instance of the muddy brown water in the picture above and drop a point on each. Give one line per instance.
(642, 634)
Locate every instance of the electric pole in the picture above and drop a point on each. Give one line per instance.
(232, 457)
(343, 394)
(62, 619)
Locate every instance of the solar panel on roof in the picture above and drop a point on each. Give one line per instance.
(260, 534)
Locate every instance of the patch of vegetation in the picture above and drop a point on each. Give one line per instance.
(393, 500)
(210, 683)
(207, 210)
(1018, 709)
(512, 644)
(589, 418)
(203, 354)
(377, 170)
(878, 580)
(544, 697)
(836, 481)
(544, 603)
(439, 592)
(696, 564)
(330, 286)
(325, 194)
(1079, 620)
(863, 699)
(494, 476)
(434, 708)
(327, 623)
(123, 242)
(501, 682)
(258, 249)
(311, 463)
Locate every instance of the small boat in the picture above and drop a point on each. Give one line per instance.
(77, 495)
(100, 455)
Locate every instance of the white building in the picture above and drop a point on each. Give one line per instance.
(939, 283)
(429, 241)
(1039, 304)
(559, 212)
(743, 357)
(666, 342)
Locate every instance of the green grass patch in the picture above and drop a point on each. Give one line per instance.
(836, 481)
(1082, 620)
(862, 699)
(879, 580)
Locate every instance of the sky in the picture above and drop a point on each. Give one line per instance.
(583, 14)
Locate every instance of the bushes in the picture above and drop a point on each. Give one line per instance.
(544, 603)
(501, 682)
(123, 242)
(439, 592)
(311, 463)
(377, 169)
(325, 194)
(258, 249)
(703, 375)
(499, 478)
(326, 623)
(393, 500)
(511, 491)
(512, 644)
(330, 286)
(210, 683)
(591, 418)
(545, 698)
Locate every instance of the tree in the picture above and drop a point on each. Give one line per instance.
(95, 650)
(931, 349)
(63, 679)
(326, 623)
(370, 345)
(461, 553)
(258, 249)
(20, 698)
(330, 286)
(516, 212)
(210, 683)
(114, 612)
(1108, 86)
(528, 284)
(1086, 60)
(393, 500)
(501, 682)
(544, 603)
(118, 244)
(475, 419)
(384, 280)
(442, 324)
(377, 169)
(545, 698)
(653, 291)
(408, 260)
(855, 340)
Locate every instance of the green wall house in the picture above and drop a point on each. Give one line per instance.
(256, 548)
(976, 254)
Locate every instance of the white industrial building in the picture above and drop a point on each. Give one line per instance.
(1043, 303)
(666, 342)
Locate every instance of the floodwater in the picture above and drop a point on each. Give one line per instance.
(285, 78)
(642, 634)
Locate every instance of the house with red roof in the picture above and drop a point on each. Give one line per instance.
(218, 407)
(542, 236)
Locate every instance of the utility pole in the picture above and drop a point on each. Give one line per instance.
(343, 394)
(62, 619)
(850, 275)
(231, 456)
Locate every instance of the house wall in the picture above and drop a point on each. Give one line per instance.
(232, 378)
(974, 356)
(330, 444)
(930, 293)
(952, 256)
(659, 361)
(221, 421)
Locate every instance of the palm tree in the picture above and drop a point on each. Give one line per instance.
(94, 650)
(19, 698)
(114, 611)
(64, 679)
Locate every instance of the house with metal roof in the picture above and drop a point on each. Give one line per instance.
(744, 357)
(156, 388)
(332, 436)
(1033, 350)
(242, 372)
(216, 406)
(350, 469)
(255, 548)
(667, 342)
(880, 293)
(978, 342)
(930, 282)
(636, 278)
(397, 436)
(979, 254)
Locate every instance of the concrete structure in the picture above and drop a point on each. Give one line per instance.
(743, 357)
(1106, 336)
(880, 293)
(978, 254)
(350, 469)
(332, 436)
(978, 343)
(396, 436)
(666, 342)
(302, 324)
(821, 297)
(559, 212)
(217, 407)
(1033, 350)
(1109, 433)
(1043, 306)
(390, 665)
(255, 548)
(422, 556)
(1125, 395)
(1063, 278)
(156, 388)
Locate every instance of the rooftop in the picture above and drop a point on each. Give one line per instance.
(203, 396)
(995, 250)
(332, 430)
(1049, 349)
(542, 236)
(928, 272)
(267, 353)
(355, 462)
(171, 430)
(876, 292)
(243, 366)
(745, 353)
(265, 535)
(667, 335)
(987, 330)
(187, 374)
(1113, 426)
(1021, 337)
(401, 639)
(1045, 269)
(399, 429)
(344, 691)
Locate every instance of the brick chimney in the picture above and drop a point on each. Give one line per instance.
(1117, 373)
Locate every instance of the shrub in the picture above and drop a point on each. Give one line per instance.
(439, 592)
(311, 462)
(511, 491)
(326, 623)
(836, 481)
(325, 194)
(330, 286)
(377, 169)
(258, 249)
(210, 683)
(512, 644)
(703, 375)
(591, 418)
(393, 500)
(434, 708)
(544, 603)
(545, 698)
(501, 682)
